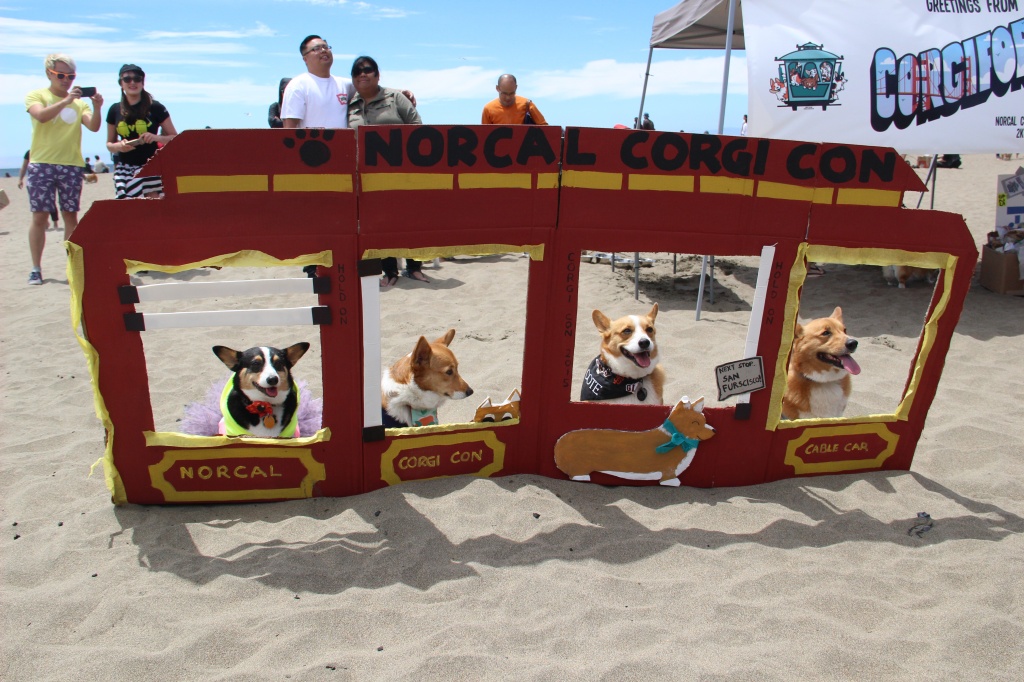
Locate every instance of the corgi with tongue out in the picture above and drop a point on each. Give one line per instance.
(626, 369)
(821, 363)
(261, 398)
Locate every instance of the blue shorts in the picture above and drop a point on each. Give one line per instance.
(45, 181)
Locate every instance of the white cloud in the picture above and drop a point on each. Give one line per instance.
(261, 31)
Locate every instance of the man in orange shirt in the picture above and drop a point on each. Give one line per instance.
(509, 109)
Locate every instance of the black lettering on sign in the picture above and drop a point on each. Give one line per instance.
(794, 163)
(535, 144)
(704, 152)
(669, 152)
(573, 155)
(462, 143)
(838, 165)
(491, 156)
(425, 146)
(626, 154)
(377, 146)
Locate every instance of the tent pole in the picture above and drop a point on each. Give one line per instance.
(643, 95)
(705, 260)
(728, 56)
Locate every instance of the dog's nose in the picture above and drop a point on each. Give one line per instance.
(272, 381)
(851, 345)
(644, 344)
(469, 392)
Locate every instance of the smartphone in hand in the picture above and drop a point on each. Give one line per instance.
(88, 92)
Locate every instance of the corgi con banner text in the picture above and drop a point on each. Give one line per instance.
(922, 76)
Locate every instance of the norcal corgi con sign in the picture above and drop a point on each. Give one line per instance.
(921, 76)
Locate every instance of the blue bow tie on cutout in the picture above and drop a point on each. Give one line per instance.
(676, 440)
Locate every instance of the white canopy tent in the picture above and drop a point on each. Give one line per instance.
(697, 25)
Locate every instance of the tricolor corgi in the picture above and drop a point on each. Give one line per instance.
(626, 369)
(261, 399)
(414, 387)
(820, 364)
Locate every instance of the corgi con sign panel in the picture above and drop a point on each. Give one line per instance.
(241, 204)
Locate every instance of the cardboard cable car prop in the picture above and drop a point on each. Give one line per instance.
(430, 190)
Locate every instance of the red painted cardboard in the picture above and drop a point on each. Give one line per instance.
(447, 187)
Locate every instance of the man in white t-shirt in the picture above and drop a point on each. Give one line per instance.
(316, 99)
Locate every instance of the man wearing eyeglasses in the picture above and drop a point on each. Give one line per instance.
(508, 108)
(316, 99)
(56, 167)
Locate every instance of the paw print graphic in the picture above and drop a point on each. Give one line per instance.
(312, 149)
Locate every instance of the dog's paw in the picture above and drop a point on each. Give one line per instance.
(674, 482)
(585, 478)
(312, 150)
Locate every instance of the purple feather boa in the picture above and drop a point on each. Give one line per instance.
(202, 417)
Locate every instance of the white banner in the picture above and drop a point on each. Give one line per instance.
(921, 76)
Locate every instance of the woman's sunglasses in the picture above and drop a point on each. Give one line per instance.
(364, 69)
(132, 79)
(61, 76)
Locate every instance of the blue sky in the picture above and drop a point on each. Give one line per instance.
(218, 63)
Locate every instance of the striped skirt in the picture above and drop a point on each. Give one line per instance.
(127, 186)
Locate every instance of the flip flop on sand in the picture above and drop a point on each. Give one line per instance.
(815, 271)
(416, 275)
(386, 281)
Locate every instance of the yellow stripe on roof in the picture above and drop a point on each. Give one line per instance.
(495, 181)
(377, 182)
(547, 180)
(661, 183)
(712, 185)
(591, 180)
(782, 190)
(189, 184)
(868, 197)
(307, 182)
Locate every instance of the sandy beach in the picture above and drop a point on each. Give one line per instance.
(526, 577)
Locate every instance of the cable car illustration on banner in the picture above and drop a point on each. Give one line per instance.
(808, 77)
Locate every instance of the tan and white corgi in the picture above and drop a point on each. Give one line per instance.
(414, 387)
(660, 454)
(626, 369)
(820, 364)
(899, 275)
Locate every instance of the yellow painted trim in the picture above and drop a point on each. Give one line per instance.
(184, 440)
(447, 428)
(859, 256)
(238, 259)
(837, 466)
(709, 184)
(495, 181)
(591, 179)
(781, 190)
(76, 282)
(378, 182)
(547, 180)
(397, 447)
(315, 472)
(868, 197)
(192, 184)
(661, 183)
(534, 251)
(309, 182)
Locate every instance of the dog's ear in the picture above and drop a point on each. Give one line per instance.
(422, 353)
(228, 356)
(296, 351)
(798, 331)
(654, 312)
(838, 314)
(446, 340)
(601, 321)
